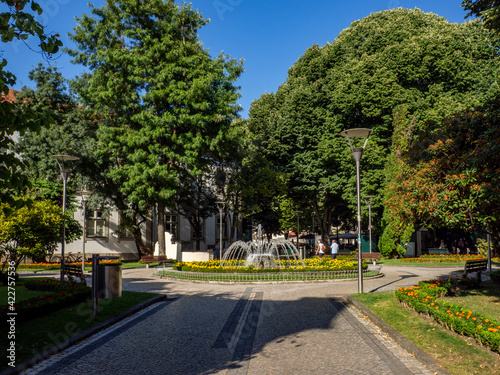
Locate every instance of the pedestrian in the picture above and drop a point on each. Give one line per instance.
(335, 249)
(217, 247)
(320, 251)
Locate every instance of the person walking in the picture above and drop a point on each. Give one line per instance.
(320, 251)
(335, 249)
(217, 248)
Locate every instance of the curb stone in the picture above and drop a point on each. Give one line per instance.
(81, 336)
(405, 343)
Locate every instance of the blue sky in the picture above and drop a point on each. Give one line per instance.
(269, 35)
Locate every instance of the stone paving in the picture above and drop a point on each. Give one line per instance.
(205, 328)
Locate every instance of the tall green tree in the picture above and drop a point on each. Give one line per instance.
(386, 61)
(17, 22)
(488, 10)
(162, 101)
(451, 178)
(73, 131)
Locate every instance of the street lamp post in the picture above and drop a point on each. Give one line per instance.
(84, 194)
(298, 230)
(64, 173)
(368, 200)
(357, 152)
(220, 206)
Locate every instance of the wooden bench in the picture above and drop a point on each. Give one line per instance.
(368, 256)
(72, 271)
(154, 259)
(372, 256)
(478, 266)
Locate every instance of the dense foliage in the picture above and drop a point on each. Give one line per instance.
(32, 231)
(488, 10)
(450, 176)
(18, 22)
(164, 104)
(377, 67)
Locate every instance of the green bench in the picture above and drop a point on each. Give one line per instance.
(154, 259)
(438, 251)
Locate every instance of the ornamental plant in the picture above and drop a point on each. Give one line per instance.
(60, 295)
(424, 299)
(32, 231)
(238, 266)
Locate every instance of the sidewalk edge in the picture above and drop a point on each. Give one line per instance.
(404, 342)
(81, 336)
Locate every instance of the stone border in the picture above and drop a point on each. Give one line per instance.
(81, 336)
(404, 342)
(250, 282)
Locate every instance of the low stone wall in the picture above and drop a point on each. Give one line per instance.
(197, 256)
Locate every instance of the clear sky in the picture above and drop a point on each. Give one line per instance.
(269, 35)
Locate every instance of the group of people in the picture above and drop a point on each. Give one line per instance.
(460, 246)
(321, 250)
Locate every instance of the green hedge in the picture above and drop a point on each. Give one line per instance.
(61, 295)
(425, 299)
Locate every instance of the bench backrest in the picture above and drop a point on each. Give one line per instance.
(72, 268)
(154, 258)
(472, 265)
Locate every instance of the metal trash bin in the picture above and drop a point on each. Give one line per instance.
(109, 283)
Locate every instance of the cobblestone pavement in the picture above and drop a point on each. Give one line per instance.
(205, 328)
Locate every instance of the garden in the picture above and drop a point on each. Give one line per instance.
(284, 270)
(456, 321)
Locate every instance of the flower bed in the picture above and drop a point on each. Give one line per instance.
(61, 295)
(424, 299)
(237, 266)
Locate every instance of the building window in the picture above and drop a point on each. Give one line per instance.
(200, 234)
(124, 233)
(96, 225)
(171, 225)
(224, 228)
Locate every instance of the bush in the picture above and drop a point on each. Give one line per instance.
(495, 277)
(62, 294)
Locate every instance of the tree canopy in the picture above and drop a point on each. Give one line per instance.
(163, 103)
(451, 177)
(380, 64)
(17, 21)
(488, 10)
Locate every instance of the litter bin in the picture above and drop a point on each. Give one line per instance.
(109, 283)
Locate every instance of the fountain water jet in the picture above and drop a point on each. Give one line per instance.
(275, 254)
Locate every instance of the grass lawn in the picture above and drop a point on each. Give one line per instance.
(460, 356)
(42, 333)
(400, 262)
(485, 300)
(21, 292)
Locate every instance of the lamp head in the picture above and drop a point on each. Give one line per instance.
(356, 133)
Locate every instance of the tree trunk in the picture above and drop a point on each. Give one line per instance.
(161, 229)
(142, 249)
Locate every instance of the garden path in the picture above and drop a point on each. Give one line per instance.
(205, 328)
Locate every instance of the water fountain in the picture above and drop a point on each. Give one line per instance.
(278, 253)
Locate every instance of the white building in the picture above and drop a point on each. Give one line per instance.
(104, 238)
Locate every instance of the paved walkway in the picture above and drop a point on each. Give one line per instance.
(250, 329)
